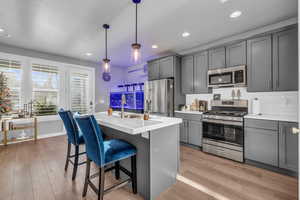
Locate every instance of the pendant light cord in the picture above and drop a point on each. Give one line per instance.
(106, 43)
(136, 12)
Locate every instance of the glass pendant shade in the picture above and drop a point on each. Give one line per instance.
(106, 65)
(136, 53)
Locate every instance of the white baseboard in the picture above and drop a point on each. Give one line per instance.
(51, 135)
(41, 137)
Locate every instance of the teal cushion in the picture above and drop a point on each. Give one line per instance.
(116, 149)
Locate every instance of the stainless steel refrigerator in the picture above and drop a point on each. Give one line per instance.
(159, 97)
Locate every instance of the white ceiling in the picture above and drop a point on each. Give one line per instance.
(74, 27)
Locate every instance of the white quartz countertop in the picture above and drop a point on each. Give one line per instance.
(189, 112)
(135, 126)
(286, 118)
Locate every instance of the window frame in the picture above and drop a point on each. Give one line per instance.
(64, 69)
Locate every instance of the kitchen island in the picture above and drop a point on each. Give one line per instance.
(157, 143)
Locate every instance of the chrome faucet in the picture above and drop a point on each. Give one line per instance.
(123, 102)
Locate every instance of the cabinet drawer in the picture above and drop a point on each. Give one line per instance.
(193, 117)
(262, 124)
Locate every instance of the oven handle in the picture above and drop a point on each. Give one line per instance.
(233, 123)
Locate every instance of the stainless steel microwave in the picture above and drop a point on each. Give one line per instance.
(227, 77)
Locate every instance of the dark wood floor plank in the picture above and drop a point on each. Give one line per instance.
(23, 188)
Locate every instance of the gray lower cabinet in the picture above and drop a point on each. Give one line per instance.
(184, 131)
(166, 67)
(259, 64)
(195, 133)
(261, 145)
(153, 70)
(285, 60)
(187, 75)
(200, 73)
(236, 54)
(217, 58)
(191, 128)
(288, 146)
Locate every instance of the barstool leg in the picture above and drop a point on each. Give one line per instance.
(133, 172)
(101, 183)
(117, 170)
(75, 162)
(68, 155)
(87, 176)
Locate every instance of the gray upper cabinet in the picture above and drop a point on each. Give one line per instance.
(285, 60)
(153, 70)
(217, 58)
(261, 145)
(200, 73)
(166, 68)
(187, 74)
(161, 68)
(259, 64)
(288, 146)
(236, 54)
(195, 133)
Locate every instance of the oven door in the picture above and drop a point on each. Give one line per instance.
(232, 134)
(222, 79)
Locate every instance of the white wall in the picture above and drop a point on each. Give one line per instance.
(137, 73)
(275, 103)
(103, 88)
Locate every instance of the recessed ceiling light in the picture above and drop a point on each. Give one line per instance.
(223, 1)
(1, 30)
(186, 34)
(88, 54)
(236, 14)
(154, 46)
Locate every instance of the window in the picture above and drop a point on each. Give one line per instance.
(12, 71)
(45, 89)
(79, 92)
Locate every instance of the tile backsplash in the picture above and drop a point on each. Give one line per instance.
(273, 103)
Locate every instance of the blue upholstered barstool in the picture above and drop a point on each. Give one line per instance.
(104, 154)
(75, 138)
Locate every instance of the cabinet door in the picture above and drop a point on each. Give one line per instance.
(184, 131)
(288, 146)
(285, 60)
(195, 133)
(166, 68)
(236, 54)
(261, 145)
(217, 58)
(259, 64)
(187, 73)
(153, 70)
(200, 73)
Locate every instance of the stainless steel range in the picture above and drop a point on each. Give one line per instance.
(223, 131)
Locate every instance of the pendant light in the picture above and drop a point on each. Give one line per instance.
(106, 60)
(136, 47)
(106, 66)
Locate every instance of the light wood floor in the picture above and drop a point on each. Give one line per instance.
(30, 171)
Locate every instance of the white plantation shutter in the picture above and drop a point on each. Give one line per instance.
(79, 92)
(45, 88)
(12, 71)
